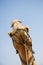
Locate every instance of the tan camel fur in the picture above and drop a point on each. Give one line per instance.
(22, 42)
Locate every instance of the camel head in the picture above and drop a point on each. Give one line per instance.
(22, 42)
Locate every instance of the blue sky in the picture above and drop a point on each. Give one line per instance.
(30, 12)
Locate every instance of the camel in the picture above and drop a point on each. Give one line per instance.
(22, 42)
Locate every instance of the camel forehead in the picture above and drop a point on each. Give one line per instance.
(16, 22)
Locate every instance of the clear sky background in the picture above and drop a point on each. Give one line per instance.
(30, 12)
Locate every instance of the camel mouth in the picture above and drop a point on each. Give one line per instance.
(13, 37)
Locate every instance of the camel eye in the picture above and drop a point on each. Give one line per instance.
(10, 34)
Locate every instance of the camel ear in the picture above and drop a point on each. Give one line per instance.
(26, 29)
